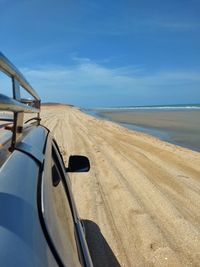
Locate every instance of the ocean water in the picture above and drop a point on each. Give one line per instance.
(150, 107)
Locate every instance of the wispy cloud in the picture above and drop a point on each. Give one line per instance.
(88, 82)
(174, 24)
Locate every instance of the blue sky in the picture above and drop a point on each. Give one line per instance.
(105, 53)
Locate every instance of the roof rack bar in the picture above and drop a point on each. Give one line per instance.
(10, 70)
(16, 104)
(16, 88)
(10, 104)
(17, 128)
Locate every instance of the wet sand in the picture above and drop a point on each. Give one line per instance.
(140, 201)
(180, 127)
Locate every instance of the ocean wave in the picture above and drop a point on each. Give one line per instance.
(193, 107)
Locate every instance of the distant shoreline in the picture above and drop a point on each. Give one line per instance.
(50, 104)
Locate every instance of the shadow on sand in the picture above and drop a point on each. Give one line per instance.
(100, 251)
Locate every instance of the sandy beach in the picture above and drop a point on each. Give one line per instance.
(140, 202)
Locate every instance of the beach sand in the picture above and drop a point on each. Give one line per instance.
(140, 202)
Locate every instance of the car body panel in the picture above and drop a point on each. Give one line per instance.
(22, 242)
(20, 222)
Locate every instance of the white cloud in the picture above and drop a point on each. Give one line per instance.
(88, 82)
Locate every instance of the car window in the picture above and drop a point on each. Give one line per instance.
(57, 213)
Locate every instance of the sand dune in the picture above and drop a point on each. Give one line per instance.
(141, 200)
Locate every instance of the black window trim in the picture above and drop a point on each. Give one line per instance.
(66, 183)
(58, 159)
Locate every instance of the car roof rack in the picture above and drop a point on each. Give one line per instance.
(16, 104)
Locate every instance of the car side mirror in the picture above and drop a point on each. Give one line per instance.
(78, 164)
